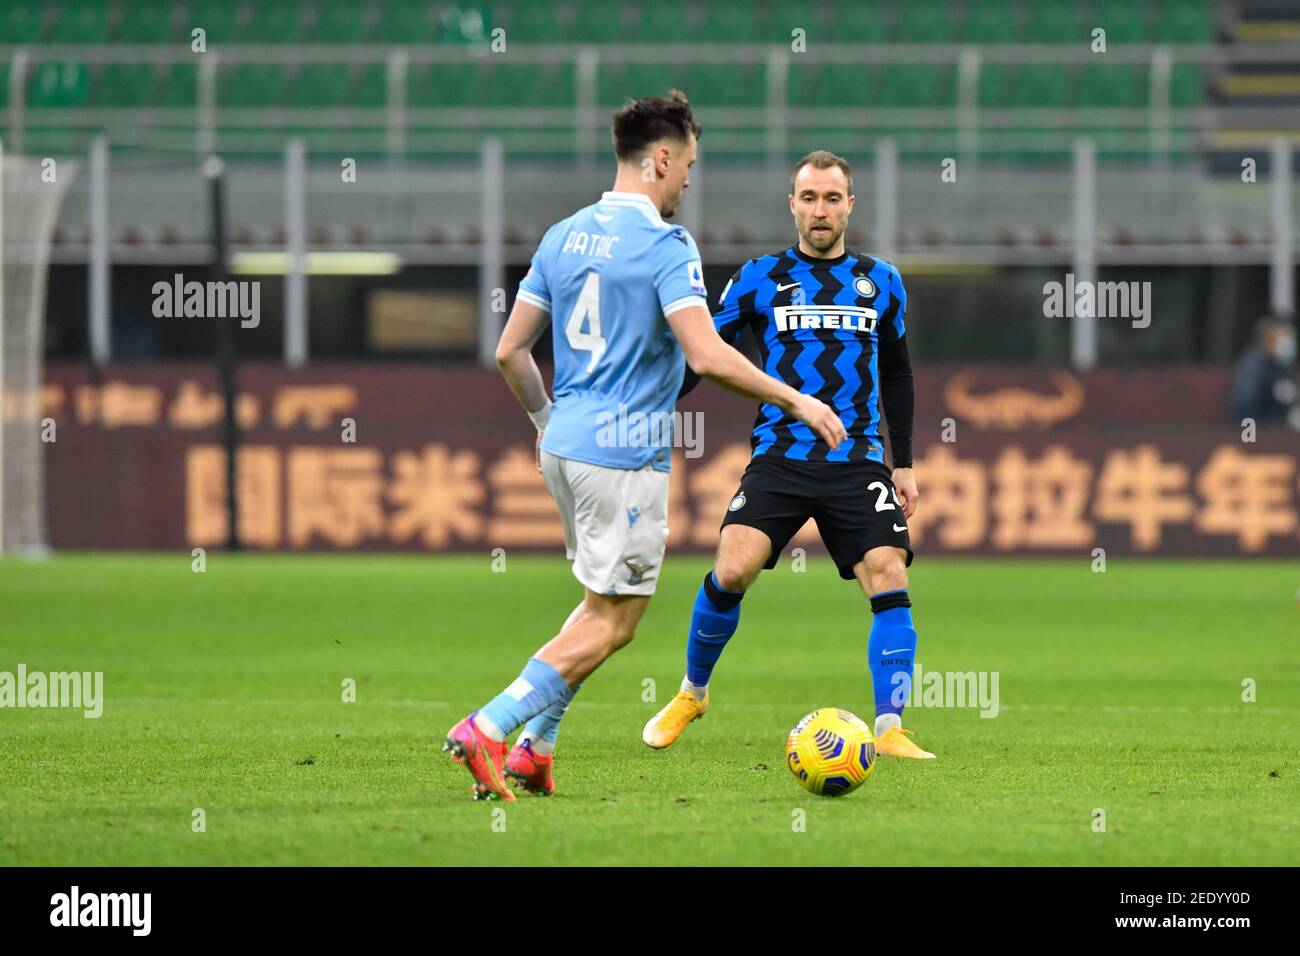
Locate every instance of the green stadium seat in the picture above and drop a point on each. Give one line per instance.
(1051, 22)
(665, 21)
(58, 85)
(340, 21)
(925, 21)
(273, 21)
(322, 84)
(597, 22)
(4, 84)
(125, 84)
(531, 84)
(83, 22)
(561, 80)
(990, 21)
(919, 84)
(464, 24)
(180, 85)
(373, 88)
(801, 80)
(784, 17)
(1187, 84)
(1185, 21)
(861, 21)
(20, 22)
(443, 84)
(421, 90)
(844, 83)
(725, 84)
(653, 79)
(727, 21)
(610, 85)
(1112, 84)
(252, 84)
(219, 19)
(1123, 21)
(404, 21)
(515, 84)
(147, 21)
(1041, 85)
(828, 84)
(996, 85)
(532, 23)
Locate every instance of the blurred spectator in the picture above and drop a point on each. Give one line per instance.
(1263, 387)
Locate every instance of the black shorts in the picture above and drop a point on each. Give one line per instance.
(853, 504)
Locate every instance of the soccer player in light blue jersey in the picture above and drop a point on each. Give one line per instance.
(626, 292)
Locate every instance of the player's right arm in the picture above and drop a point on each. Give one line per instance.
(525, 326)
(529, 317)
(714, 359)
(679, 281)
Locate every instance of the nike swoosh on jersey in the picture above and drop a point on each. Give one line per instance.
(782, 288)
(900, 527)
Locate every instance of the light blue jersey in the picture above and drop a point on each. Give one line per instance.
(609, 275)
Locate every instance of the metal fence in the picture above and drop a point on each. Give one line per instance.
(465, 186)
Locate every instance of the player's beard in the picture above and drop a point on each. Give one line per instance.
(821, 241)
(672, 206)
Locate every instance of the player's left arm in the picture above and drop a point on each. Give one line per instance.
(897, 395)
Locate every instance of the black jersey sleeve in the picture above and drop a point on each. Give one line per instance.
(729, 318)
(894, 365)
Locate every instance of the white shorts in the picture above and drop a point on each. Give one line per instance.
(615, 523)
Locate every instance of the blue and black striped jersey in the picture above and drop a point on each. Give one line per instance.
(833, 328)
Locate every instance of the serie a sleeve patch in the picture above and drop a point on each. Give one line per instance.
(695, 274)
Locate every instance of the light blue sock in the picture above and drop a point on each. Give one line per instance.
(536, 688)
(546, 725)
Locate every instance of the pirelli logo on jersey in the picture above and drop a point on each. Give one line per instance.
(848, 318)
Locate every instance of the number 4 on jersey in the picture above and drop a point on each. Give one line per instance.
(587, 310)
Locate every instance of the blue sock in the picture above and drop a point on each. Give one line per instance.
(891, 651)
(537, 687)
(714, 620)
(546, 725)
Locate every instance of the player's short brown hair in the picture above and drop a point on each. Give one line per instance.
(823, 159)
(642, 122)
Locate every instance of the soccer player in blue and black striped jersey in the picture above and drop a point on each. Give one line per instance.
(830, 323)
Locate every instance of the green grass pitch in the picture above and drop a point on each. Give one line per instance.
(1119, 691)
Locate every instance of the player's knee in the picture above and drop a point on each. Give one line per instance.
(733, 575)
(886, 571)
(621, 635)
